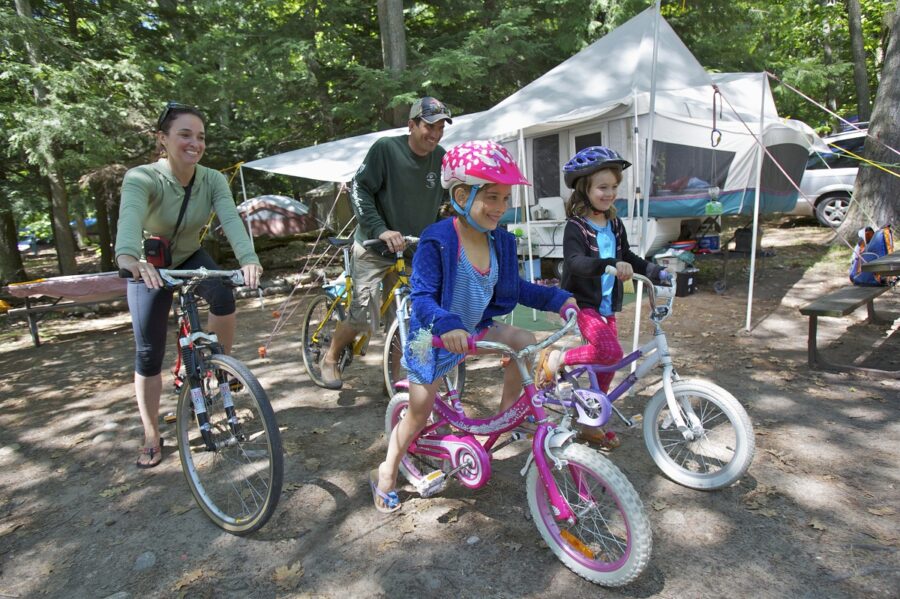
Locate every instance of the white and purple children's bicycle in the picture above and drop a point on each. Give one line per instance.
(698, 434)
(585, 509)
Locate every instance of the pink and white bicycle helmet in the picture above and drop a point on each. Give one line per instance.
(479, 163)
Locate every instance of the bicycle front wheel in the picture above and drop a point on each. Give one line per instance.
(393, 370)
(317, 332)
(238, 483)
(610, 541)
(723, 443)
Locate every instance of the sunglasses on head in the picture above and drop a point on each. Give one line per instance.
(169, 108)
(435, 109)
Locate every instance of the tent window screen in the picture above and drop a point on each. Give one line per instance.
(546, 166)
(586, 141)
(688, 170)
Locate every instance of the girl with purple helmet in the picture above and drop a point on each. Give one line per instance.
(595, 238)
(465, 273)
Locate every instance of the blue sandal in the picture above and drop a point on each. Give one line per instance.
(385, 503)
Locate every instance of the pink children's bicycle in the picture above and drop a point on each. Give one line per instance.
(585, 509)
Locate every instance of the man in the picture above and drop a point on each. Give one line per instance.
(396, 191)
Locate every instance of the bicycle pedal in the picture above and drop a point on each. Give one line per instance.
(431, 484)
(235, 386)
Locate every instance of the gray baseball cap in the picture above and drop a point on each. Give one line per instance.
(430, 110)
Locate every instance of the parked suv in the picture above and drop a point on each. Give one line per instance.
(829, 178)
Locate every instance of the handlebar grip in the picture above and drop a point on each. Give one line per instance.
(569, 311)
(439, 343)
(610, 270)
(124, 273)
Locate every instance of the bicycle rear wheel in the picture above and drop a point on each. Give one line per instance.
(393, 370)
(239, 483)
(317, 333)
(723, 445)
(610, 541)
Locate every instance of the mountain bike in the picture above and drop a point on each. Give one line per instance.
(332, 305)
(228, 440)
(697, 433)
(583, 506)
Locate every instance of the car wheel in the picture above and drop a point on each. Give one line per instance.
(832, 209)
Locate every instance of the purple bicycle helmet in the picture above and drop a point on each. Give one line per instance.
(590, 160)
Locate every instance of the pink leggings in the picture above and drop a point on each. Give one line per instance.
(603, 344)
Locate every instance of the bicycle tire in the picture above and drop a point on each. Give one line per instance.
(238, 485)
(393, 371)
(413, 467)
(611, 540)
(312, 351)
(720, 456)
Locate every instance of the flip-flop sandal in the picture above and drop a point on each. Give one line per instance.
(386, 503)
(153, 452)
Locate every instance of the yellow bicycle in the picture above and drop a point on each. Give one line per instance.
(332, 305)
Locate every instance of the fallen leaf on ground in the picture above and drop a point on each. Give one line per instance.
(312, 464)
(189, 578)
(881, 511)
(113, 491)
(817, 525)
(288, 577)
(659, 505)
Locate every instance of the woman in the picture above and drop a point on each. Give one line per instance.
(173, 198)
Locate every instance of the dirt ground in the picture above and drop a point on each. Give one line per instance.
(816, 516)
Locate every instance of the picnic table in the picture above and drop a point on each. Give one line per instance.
(886, 265)
(57, 294)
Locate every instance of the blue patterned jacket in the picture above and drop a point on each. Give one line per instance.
(434, 272)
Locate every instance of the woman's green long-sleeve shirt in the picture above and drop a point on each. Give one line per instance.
(151, 200)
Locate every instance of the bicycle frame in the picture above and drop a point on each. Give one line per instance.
(192, 341)
(395, 295)
(530, 402)
(654, 352)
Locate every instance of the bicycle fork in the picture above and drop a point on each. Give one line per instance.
(193, 364)
(546, 439)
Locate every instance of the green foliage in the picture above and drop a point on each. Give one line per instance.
(276, 75)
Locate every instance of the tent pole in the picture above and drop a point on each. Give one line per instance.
(523, 195)
(250, 232)
(244, 192)
(648, 172)
(759, 164)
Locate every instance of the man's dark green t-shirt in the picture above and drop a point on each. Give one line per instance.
(396, 190)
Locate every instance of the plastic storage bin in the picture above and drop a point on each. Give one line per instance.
(686, 282)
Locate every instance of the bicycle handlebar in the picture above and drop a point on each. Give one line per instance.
(170, 276)
(653, 290)
(410, 239)
(475, 341)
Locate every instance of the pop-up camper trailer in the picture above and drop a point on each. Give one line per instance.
(611, 93)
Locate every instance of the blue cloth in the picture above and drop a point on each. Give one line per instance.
(471, 295)
(606, 244)
(434, 278)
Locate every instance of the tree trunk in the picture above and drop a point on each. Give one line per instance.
(393, 47)
(11, 267)
(63, 238)
(62, 233)
(860, 77)
(876, 192)
(830, 99)
(104, 239)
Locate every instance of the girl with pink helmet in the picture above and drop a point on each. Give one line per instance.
(465, 274)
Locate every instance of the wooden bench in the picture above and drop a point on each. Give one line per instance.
(33, 313)
(838, 304)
